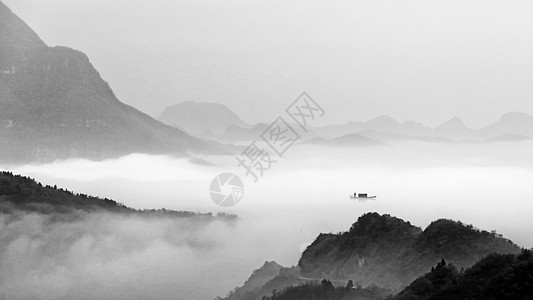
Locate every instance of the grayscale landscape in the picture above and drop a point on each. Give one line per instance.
(248, 150)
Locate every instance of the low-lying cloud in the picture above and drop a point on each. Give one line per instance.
(110, 256)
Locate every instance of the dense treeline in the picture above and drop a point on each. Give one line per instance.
(327, 291)
(19, 193)
(381, 250)
(390, 252)
(497, 276)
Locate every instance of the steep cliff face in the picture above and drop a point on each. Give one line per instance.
(389, 252)
(54, 104)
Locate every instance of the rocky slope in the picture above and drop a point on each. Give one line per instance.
(54, 104)
(390, 252)
(385, 251)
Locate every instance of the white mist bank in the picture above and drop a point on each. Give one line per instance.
(105, 256)
(305, 193)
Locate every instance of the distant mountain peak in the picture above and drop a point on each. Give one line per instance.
(354, 140)
(455, 121)
(515, 123)
(515, 116)
(454, 128)
(197, 118)
(383, 120)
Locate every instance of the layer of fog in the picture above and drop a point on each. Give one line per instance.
(305, 193)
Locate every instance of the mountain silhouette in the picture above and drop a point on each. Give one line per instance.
(509, 128)
(390, 252)
(54, 104)
(514, 123)
(454, 128)
(349, 140)
(20, 194)
(385, 251)
(496, 276)
(259, 278)
(382, 124)
(399, 137)
(199, 118)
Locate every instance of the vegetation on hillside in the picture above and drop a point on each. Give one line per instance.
(494, 277)
(19, 193)
(327, 291)
(497, 276)
(390, 252)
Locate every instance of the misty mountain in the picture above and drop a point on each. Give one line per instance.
(496, 276)
(390, 252)
(349, 140)
(259, 278)
(511, 123)
(455, 128)
(398, 137)
(23, 194)
(271, 276)
(235, 133)
(54, 104)
(386, 251)
(198, 118)
(384, 124)
(510, 128)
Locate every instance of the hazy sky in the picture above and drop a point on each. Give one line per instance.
(422, 60)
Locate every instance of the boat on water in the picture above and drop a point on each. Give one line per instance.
(362, 196)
